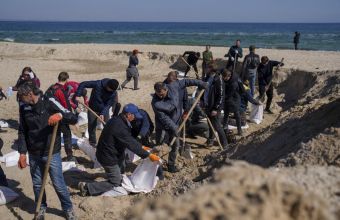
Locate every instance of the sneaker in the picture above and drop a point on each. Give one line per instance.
(70, 215)
(268, 111)
(83, 189)
(71, 158)
(41, 214)
(172, 169)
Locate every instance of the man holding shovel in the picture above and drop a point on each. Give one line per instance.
(103, 97)
(168, 107)
(265, 76)
(37, 117)
(192, 59)
(113, 141)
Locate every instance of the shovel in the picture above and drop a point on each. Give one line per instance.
(186, 149)
(263, 97)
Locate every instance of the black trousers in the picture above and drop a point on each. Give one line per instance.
(296, 46)
(188, 69)
(67, 136)
(237, 118)
(114, 179)
(269, 93)
(216, 123)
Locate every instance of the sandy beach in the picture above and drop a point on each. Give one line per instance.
(300, 140)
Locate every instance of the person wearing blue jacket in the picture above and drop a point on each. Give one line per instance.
(103, 96)
(168, 107)
(142, 128)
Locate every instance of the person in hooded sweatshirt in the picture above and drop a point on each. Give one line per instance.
(232, 99)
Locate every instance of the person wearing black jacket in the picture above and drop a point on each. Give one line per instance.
(192, 61)
(234, 52)
(232, 99)
(37, 117)
(213, 104)
(249, 68)
(265, 76)
(103, 97)
(113, 141)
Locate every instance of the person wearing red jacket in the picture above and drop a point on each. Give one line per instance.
(71, 88)
(58, 92)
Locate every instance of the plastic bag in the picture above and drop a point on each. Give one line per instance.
(116, 192)
(70, 166)
(89, 151)
(131, 157)
(143, 178)
(11, 159)
(3, 124)
(82, 119)
(7, 195)
(256, 114)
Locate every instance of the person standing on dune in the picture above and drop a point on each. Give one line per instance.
(132, 71)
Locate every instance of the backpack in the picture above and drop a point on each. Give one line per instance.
(51, 91)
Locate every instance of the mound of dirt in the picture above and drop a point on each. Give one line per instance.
(305, 133)
(240, 191)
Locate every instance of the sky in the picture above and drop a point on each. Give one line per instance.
(291, 11)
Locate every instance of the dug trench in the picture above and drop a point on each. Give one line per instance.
(288, 169)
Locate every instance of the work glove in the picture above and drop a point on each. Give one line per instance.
(185, 115)
(54, 119)
(232, 58)
(154, 158)
(22, 161)
(147, 148)
(236, 51)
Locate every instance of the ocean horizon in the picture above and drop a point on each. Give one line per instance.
(314, 36)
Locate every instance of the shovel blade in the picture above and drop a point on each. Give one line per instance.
(186, 152)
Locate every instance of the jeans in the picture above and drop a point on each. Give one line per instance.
(252, 80)
(37, 167)
(114, 179)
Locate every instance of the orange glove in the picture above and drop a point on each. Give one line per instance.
(54, 119)
(22, 161)
(185, 115)
(154, 157)
(147, 148)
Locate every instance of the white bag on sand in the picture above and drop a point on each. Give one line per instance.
(70, 166)
(143, 178)
(89, 151)
(116, 192)
(7, 195)
(130, 156)
(82, 119)
(232, 127)
(73, 141)
(256, 114)
(11, 159)
(3, 124)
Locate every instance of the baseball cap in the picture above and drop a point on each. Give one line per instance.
(133, 109)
